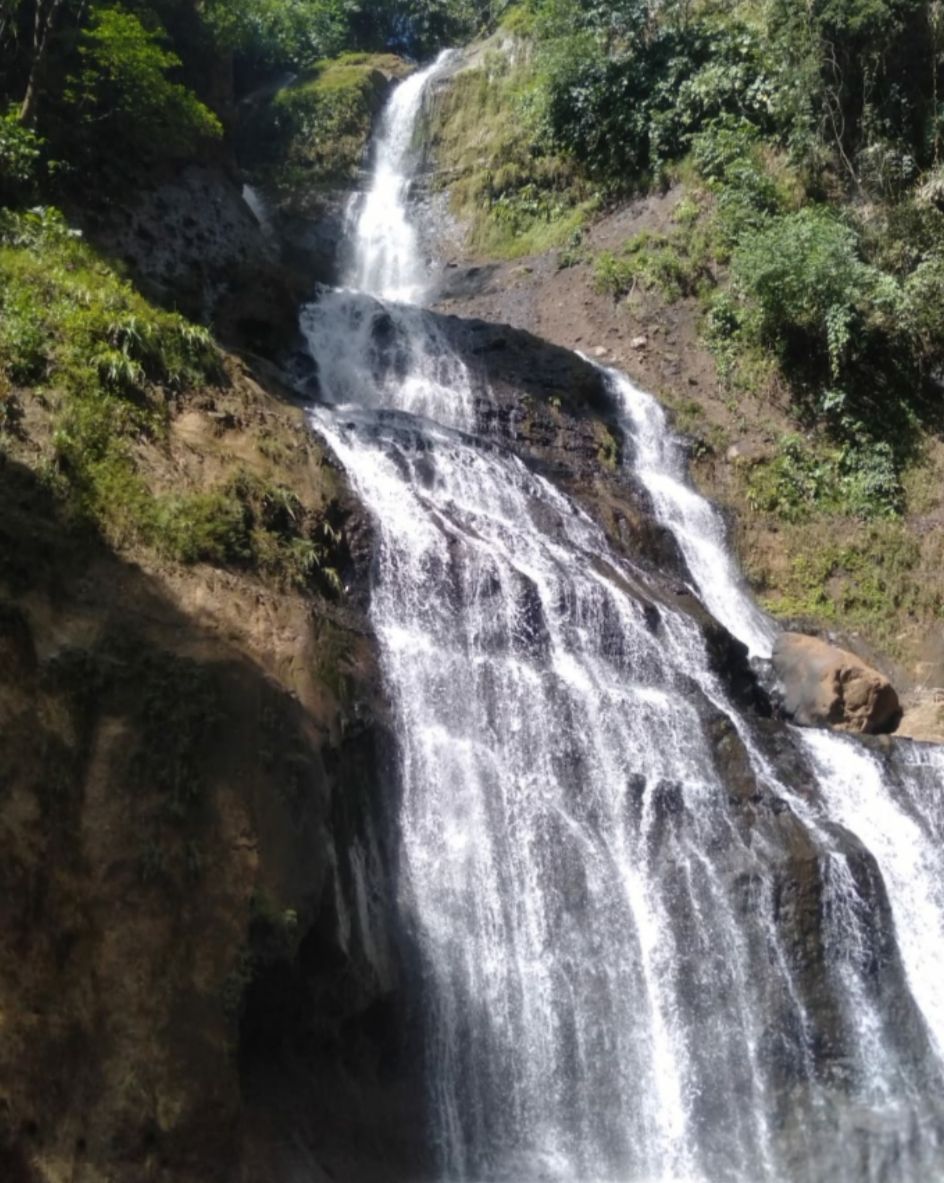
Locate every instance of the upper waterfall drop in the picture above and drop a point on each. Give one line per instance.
(387, 261)
(653, 944)
(373, 344)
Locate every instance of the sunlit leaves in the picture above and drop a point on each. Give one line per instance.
(125, 88)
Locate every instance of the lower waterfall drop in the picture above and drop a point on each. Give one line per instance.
(632, 969)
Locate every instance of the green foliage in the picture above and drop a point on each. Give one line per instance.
(721, 147)
(281, 33)
(924, 310)
(420, 27)
(124, 98)
(850, 86)
(795, 482)
(865, 82)
(296, 33)
(70, 324)
(111, 365)
(624, 98)
(804, 478)
(652, 261)
(70, 320)
(805, 287)
(768, 111)
(316, 130)
(516, 197)
(728, 156)
(247, 522)
(213, 527)
(807, 292)
(854, 341)
(21, 152)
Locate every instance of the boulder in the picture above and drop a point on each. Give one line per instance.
(824, 686)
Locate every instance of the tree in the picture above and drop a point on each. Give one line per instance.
(124, 95)
(281, 33)
(45, 15)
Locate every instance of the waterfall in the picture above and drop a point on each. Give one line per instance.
(386, 259)
(632, 969)
(694, 522)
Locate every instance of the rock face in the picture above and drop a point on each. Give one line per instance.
(188, 758)
(195, 245)
(828, 687)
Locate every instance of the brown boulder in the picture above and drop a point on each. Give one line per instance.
(828, 687)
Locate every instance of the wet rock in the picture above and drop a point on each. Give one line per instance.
(508, 365)
(311, 235)
(824, 686)
(728, 658)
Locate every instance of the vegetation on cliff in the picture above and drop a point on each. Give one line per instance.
(811, 149)
(313, 133)
(189, 710)
(808, 243)
(100, 102)
(91, 377)
(810, 240)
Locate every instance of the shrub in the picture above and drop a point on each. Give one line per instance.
(860, 479)
(924, 310)
(273, 33)
(209, 527)
(805, 289)
(625, 112)
(797, 480)
(728, 154)
(247, 522)
(125, 101)
(721, 145)
(20, 159)
(653, 261)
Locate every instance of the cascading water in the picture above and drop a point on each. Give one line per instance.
(387, 259)
(696, 525)
(613, 980)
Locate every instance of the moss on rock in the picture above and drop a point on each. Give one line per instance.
(314, 132)
(511, 196)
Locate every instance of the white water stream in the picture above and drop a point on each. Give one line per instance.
(640, 962)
